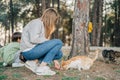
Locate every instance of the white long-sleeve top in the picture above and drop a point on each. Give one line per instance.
(32, 34)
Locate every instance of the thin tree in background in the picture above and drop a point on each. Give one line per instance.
(58, 25)
(48, 3)
(95, 9)
(43, 5)
(56, 33)
(100, 21)
(80, 44)
(38, 9)
(116, 32)
(11, 16)
(97, 21)
(53, 3)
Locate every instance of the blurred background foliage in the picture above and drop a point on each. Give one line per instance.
(15, 14)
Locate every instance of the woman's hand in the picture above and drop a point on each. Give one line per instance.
(56, 65)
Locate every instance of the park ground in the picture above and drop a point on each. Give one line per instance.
(99, 71)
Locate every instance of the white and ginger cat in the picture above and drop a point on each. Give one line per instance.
(79, 62)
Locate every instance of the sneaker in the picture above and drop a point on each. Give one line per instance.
(44, 70)
(18, 64)
(32, 65)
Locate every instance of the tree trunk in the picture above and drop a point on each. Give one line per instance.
(58, 25)
(80, 43)
(56, 33)
(48, 3)
(12, 15)
(116, 25)
(38, 11)
(53, 3)
(94, 34)
(99, 21)
(43, 5)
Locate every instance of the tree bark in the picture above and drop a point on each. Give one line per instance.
(43, 5)
(11, 15)
(80, 42)
(38, 11)
(48, 3)
(94, 34)
(99, 21)
(53, 3)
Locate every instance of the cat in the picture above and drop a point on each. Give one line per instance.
(110, 56)
(79, 62)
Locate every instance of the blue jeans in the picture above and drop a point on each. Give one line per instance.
(45, 52)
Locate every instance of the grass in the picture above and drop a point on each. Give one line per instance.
(99, 78)
(9, 73)
(38, 79)
(16, 75)
(3, 77)
(1, 64)
(2, 69)
(70, 78)
(118, 71)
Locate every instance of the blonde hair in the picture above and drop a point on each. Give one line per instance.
(49, 18)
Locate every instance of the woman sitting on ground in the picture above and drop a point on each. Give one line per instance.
(36, 44)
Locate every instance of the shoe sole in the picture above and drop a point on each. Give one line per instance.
(26, 65)
(47, 71)
(51, 73)
(18, 65)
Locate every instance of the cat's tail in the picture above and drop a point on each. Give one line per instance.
(96, 54)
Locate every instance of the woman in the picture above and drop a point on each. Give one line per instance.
(36, 43)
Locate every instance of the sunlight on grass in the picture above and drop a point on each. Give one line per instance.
(3, 77)
(99, 78)
(70, 78)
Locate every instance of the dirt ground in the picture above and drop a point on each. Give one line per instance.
(99, 71)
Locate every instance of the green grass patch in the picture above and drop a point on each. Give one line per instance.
(70, 78)
(58, 73)
(73, 71)
(3, 77)
(2, 70)
(118, 71)
(16, 75)
(47, 76)
(99, 78)
(38, 79)
(1, 64)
